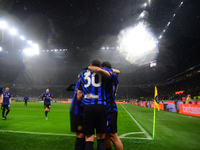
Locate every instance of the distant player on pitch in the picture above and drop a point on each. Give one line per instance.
(6, 103)
(25, 100)
(47, 97)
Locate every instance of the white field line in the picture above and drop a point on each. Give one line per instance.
(145, 132)
(58, 134)
(123, 135)
(37, 133)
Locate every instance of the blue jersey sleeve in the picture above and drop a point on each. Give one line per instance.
(10, 95)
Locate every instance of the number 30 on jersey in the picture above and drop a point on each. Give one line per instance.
(88, 78)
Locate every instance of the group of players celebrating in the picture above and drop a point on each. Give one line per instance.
(93, 107)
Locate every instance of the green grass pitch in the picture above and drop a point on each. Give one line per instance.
(27, 129)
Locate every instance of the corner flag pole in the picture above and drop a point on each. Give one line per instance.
(154, 117)
(154, 120)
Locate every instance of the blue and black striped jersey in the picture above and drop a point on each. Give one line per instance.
(111, 89)
(25, 99)
(47, 99)
(1, 90)
(93, 88)
(76, 107)
(6, 97)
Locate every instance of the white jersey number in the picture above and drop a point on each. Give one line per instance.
(87, 74)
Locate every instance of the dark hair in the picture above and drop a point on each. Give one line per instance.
(96, 62)
(106, 64)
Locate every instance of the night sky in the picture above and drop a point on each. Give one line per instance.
(79, 24)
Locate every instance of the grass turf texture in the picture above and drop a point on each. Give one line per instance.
(173, 131)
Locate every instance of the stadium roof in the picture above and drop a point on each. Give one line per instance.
(84, 26)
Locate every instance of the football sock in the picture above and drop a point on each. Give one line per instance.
(89, 145)
(46, 113)
(101, 144)
(79, 144)
(7, 112)
(3, 112)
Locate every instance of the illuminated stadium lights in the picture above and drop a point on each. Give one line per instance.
(0, 48)
(145, 4)
(109, 48)
(29, 42)
(3, 25)
(136, 42)
(171, 19)
(13, 31)
(31, 51)
(54, 50)
(160, 36)
(181, 4)
(22, 38)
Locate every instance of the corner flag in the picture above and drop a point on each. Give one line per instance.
(155, 104)
(156, 99)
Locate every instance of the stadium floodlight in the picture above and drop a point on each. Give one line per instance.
(145, 4)
(22, 37)
(137, 42)
(3, 25)
(29, 42)
(160, 36)
(13, 31)
(0, 48)
(31, 51)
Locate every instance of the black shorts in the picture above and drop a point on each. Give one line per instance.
(5, 106)
(76, 123)
(47, 106)
(94, 117)
(112, 122)
(25, 102)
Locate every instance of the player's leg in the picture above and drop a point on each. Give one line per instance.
(8, 110)
(101, 141)
(116, 141)
(108, 142)
(88, 126)
(112, 131)
(80, 141)
(3, 111)
(45, 107)
(100, 124)
(89, 141)
(46, 112)
(76, 122)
